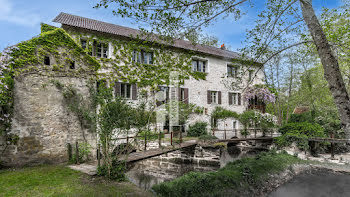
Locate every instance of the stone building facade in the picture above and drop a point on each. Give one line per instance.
(44, 125)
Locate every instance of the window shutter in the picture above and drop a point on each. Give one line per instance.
(186, 95)
(230, 98)
(239, 98)
(117, 89)
(179, 94)
(134, 91)
(219, 97)
(208, 97)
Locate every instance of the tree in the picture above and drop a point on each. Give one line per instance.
(178, 16)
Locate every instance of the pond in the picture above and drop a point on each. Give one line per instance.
(318, 183)
(153, 171)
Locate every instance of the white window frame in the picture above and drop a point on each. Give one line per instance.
(139, 57)
(235, 73)
(204, 68)
(214, 97)
(124, 90)
(102, 50)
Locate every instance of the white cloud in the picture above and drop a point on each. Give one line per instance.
(10, 13)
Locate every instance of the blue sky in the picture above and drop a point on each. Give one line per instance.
(20, 19)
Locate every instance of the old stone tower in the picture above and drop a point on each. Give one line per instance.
(42, 124)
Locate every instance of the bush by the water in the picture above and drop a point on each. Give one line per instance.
(232, 180)
(299, 133)
(198, 129)
(303, 117)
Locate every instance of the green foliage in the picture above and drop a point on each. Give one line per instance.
(197, 129)
(84, 152)
(151, 136)
(117, 171)
(46, 28)
(207, 137)
(303, 117)
(299, 133)
(222, 113)
(232, 180)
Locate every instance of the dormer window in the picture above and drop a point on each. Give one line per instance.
(199, 65)
(142, 57)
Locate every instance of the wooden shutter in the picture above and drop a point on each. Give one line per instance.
(134, 91)
(219, 97)
(117, 89)
(186, 95)
(239, 98)
(208, 97)
(179, 98)
(230, 98)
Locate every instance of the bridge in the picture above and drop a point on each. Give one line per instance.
(141, 155)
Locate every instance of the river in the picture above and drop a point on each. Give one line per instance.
(320, 183)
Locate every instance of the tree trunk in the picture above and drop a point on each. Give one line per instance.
(330, 64)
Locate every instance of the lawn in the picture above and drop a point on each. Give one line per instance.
(61, 181)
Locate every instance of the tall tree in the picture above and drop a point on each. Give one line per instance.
(174, 17)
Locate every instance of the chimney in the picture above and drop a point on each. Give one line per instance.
(223, 47)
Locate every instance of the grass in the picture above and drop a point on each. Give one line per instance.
(234, 178)
(61, 181)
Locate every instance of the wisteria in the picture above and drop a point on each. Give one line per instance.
(262, 93)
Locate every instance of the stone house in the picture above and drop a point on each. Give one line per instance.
(41, 119)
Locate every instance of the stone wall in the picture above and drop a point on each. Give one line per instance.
(43, 122)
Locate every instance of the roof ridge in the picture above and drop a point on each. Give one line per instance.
(101, 26)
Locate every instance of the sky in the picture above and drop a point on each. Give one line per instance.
(20, 19)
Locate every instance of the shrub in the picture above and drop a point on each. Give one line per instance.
(303, 117)
(232, 180)
(117, 171)
(84, 152)
(198, 129)
(299, 133)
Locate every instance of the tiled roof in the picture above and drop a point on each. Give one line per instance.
(90, 24)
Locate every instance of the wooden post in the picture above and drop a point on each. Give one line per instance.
(159, 140)
(77, 152)
(225, 133)
(171, 138)
(332, 146)
(127, 142)
(99, 155)
(69, 146)
(145, 141)
(180, 135)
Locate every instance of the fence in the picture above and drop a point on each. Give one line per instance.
(230, 133)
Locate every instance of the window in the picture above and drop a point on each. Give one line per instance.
(182, 93)
(214, 97)
(198, 66)
(125, 90)
(235, 99)
(102, 50)
(250, 75)
(72, 65)
(232, 71)
(83, 44)
(142, 57)
(47, 60)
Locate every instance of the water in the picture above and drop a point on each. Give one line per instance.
(319, 183)
(153, 171)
